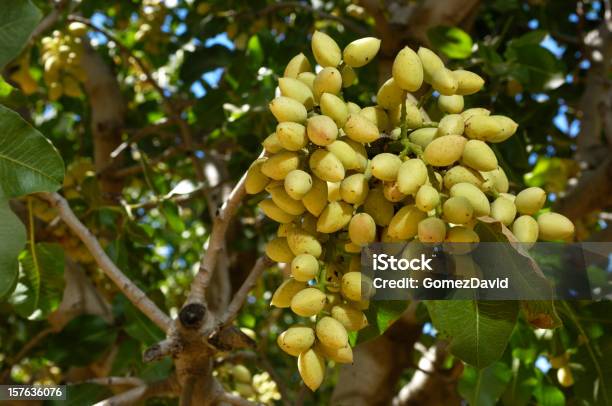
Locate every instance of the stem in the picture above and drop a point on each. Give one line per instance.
(404, 125)
(238, 300)
(31, 237)
(125, 285)
(425, 98)
(600, 373)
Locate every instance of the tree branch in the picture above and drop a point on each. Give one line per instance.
(167, 347)
(378, 364)
(107, 117)
(127, 287)
(429, 384)
(187, 391)
(167, 101)
(49, 20)
(238, 300)
(593, 191)
(114, 380)
(129, 397)
(216, 242)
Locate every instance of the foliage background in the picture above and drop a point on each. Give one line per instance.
(149, 161)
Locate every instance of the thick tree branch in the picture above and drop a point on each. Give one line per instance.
(165, 348)
(378, 364)
(187, 391)
(430, 384)
(593, 190)
(127, 287)
(107, 113)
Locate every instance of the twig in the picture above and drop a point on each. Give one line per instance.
(167, 102)
(34, 341)
(141, 65)
(299, 401)
(49, 20)
(264, 362)
(238, 300)
(216, 242)
(136, 135)
(132, 396)
(169, 346)
(132, 170)
(176, 198)
(129, 397)
(127, 287)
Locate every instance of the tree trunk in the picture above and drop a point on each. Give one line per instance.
(107, 111)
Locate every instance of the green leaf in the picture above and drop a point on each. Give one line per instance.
(527, 277)
(534, 66)
(82, 341)
(381, 315)
(478, 331)
(552, 174)
(18, 18)
(452, 41)
(138, 326)
(170, 211)
(520, 389)
(12, 241)
(531, 38)
(547, 395)
(41, 285)
(156, 371)
(128, 357)
(484, 386)
(255, 51)
(595, 362)
(28, 161)
(203, 60)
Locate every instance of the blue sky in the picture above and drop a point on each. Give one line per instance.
(213, 77)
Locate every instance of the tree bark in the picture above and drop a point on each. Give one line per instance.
(593, 190)
(378, 364)
(107, 112)
(430, 385)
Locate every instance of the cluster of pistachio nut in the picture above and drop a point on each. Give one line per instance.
(334, 189)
